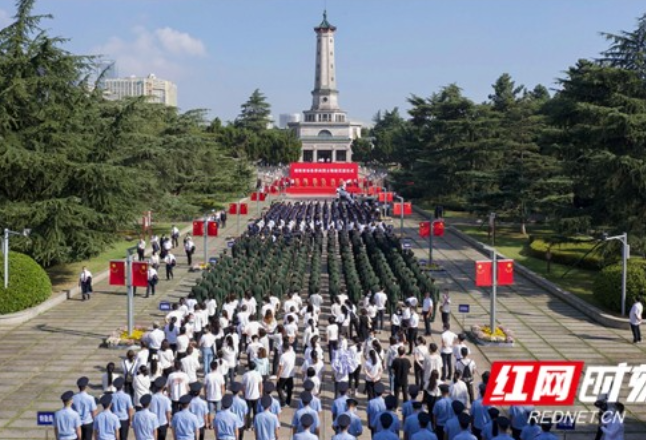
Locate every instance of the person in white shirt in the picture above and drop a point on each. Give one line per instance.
(636, 312)
(286, 366)
(332, 336)
(171, 262)
(141, 385)
(207, 346)
(373, 369)
(174, 235)
(448, 340)
(252, 386)
(214, 388)
(190, 364)
(85, 283)
(177, 385)
(613, 423)
(467, 369)
(457, 348)
(458, 389)
(419, 354)
(152, 281)
(411, 332)
(432, 362)
(171, 331)
(155, 339)
(379, 299)
(445, 308)
(310, 331)
(427, 313)
(211, 307)
(288, 305)
(141, 249)
(250, 302)
(292, 330)
(182, 342)
(230, 355)
(154, 260)
(108, 377)
(189, 249)
(165, 359)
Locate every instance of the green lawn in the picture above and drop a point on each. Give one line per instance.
(511, 243)
(65, 276)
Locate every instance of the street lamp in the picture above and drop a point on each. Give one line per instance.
(623, 238)
(494, 286)
(5, 250)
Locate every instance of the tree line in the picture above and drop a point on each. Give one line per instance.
(76, 168)
(576, 159)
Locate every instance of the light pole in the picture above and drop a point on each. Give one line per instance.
(5, 251)
(430, 244)
(625, 251)
(401, 215)
(130, 307)
(494, 287)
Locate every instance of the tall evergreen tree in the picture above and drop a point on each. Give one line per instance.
(255, 113)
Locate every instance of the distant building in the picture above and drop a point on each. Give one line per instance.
(326, 132)
(284, 119)
(157, 90)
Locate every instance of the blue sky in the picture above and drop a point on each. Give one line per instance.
(219, 51)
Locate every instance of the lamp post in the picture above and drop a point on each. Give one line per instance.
(130, 307)
(625, 251)
(5, 250)
(494, 287)
(401, 215)
(430, 244)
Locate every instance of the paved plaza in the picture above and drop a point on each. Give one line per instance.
(44, 356)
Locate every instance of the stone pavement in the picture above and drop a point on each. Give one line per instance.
(546, 328)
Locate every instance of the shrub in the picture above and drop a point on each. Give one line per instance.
(568, 254)
(607, 285)
(29, 284)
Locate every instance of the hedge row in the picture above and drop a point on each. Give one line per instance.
(607, 284)
(568, 254)
(29, 284)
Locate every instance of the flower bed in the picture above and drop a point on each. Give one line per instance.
(502, 337)
(119, 339)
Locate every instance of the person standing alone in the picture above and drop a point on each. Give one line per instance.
(85, 282)
(636, 319)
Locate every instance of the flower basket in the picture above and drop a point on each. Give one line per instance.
(119, 339)
(502, 337)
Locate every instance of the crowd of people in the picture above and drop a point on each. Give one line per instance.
(232, 363)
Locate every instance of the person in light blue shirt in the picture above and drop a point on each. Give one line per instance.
(226, 422)
(306, 422)
(199, 407)
(85, 406)
(67, 422)
(519, 416)
(503, 428)
(122, 407)
(546, 426)
(411, 424)
(239, 406)
(424, 432)
(465, 433)
(315, 404)
(267, 389)
(452, 426)
(343, 422)
(479, 413)
(339, 405)
(356, 426)
(531, 431)
(266, 424)
(145, 423)
(184, 423)
(385, 420)
(490, 430)
(375, 407)
(391, 407)
(407, 406)
(306, 398)
(106, 423)
(442, 411)
(161, 406)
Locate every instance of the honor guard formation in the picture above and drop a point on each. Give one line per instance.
(314, 296)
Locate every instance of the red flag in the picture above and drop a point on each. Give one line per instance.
(233, 208)
(505, 272)
(273, 190)
(254, 196)
(385, 197)
(243, 209)
(263, 196)
(438, 229)
(198, 228)
(139, 274)
(484, 276)
(212, 229)
(424, 229)
(408, 208)
(117, 273)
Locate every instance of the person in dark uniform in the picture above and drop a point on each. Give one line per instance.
(85, 282)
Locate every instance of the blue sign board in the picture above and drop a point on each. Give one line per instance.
(164, 306)
(463, 308)
(230, 243)
(213, 261)
(45, 418)
(407, 245)
(567, 423)
(423, 262)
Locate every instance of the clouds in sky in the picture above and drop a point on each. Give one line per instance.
(5, 18)
(161, 51)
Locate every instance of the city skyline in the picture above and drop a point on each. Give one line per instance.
(219, 52)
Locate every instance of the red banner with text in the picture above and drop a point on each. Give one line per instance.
(310, 171)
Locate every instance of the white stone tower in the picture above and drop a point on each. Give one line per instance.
(325, 131)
